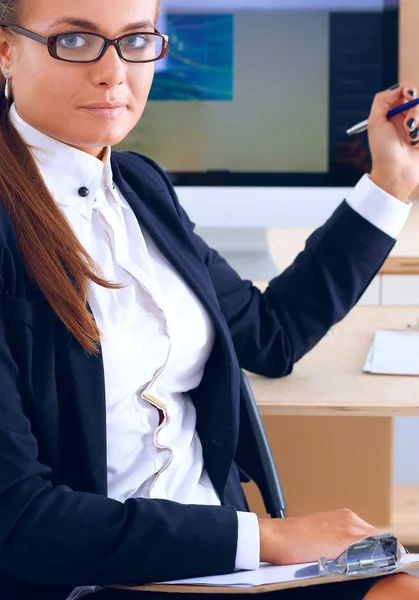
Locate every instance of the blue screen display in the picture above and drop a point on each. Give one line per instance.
(199, 65)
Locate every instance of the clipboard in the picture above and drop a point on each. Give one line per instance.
(375, 556)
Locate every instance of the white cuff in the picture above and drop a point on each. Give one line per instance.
(378, 207)
(248, 542)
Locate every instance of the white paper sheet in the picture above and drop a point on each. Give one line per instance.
(267, 574)
(369, 363)
(394, 353)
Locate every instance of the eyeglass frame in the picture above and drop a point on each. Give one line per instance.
(51, 43)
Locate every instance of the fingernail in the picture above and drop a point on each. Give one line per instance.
(411, 123)
(414, 143)
(394, 87)
(411, 93)
(414, 134)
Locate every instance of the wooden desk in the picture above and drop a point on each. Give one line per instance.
(401, 265)
(326, 462)
(329, 380)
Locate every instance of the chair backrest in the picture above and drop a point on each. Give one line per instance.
(262, 469)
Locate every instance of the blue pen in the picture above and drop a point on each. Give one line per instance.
(363, 126)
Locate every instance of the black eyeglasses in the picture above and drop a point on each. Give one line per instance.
(84, 47)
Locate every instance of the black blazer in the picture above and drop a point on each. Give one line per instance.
(57, 526)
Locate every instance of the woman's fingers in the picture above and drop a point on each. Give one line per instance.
(395, 96)
(395, 162)
(409, 92)
(410, 117)
(412, 126)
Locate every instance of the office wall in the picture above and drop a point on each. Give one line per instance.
(278, 120)
(406, 443)
(406, 464)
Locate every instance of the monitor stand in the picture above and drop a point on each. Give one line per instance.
(245, 249)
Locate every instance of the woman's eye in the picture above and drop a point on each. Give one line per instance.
(72, 41)
(136, 41)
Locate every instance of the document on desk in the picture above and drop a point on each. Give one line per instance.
(394, 353)
(267, 578)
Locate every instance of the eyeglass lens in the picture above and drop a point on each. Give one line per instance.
(83, 47)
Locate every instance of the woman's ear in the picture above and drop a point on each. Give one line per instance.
(5, 51)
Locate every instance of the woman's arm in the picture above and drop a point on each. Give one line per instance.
(273, 330)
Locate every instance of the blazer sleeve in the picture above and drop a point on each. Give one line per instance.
(50, 534)
(272, 330)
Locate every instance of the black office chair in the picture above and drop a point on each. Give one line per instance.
(261, 469)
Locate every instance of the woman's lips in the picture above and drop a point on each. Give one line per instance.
(105, 111)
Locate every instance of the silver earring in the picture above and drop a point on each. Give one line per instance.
(7, 88)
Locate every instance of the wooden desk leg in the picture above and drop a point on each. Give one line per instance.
(325, 463)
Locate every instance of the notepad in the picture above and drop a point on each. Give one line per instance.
(394, 353)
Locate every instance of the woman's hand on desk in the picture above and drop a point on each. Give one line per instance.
(394, 143)
(297, 540)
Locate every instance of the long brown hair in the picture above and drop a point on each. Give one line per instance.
(54, 258)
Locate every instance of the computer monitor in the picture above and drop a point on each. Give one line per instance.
(249, 111)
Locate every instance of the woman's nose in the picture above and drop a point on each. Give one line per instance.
(110, 70)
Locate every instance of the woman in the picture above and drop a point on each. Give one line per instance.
(121, 332)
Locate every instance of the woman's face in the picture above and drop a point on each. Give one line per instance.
(51, 95)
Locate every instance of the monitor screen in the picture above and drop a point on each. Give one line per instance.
(261, 92)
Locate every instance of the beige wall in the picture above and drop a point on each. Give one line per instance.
(409, 28)
(278, 120)
(409, 61)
